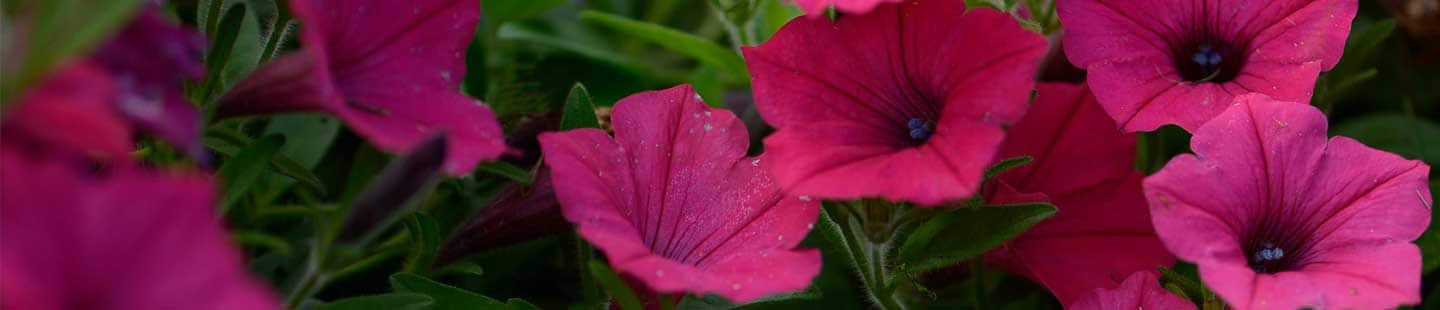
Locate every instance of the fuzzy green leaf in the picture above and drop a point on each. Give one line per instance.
(449, 297)
(958, 235)
(579, 110)
(703, 50)
(243, 170)
(397, 301)
(612, 284)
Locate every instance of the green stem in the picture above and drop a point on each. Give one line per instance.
(868, 255)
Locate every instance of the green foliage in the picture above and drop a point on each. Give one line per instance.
(395, 301)
(448, 297)
(705, 51)
(962, 234)
(579, 110)
(243, 171)
(612, 284)
(56, 32)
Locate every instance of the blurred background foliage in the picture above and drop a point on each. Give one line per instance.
(293, 180)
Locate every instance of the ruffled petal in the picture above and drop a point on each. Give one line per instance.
(673, 202)
(390, 69)
(1141, 290)
(842, 113)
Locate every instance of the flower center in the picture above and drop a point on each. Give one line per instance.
(920, 129)
(1208, 61)
(1268, 258)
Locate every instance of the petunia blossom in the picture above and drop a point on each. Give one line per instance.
(128, 239)
(906, 102)
(1140, 290)
(68, 116)
(1158, 62)
(148, 61)
(518, 213)
(390, 69)
(1083, 165)
(674, 203)
(815, 8)
(1278, 217)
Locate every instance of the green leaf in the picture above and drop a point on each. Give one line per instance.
(1006, 165)
(227, 142)
(612, 284)
(449, 297)
(506, 170)
(955, 236)
(1400, 134)
(710, 301)
(58, 30)
(426, 237)
(244, 169)
(771, 15)
(703, 50)
(222, 45)
(515, 10)
(579, 110)
(396, 301)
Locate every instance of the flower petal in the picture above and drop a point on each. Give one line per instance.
(391, 69)
(842, 112)
(1141, 290)
(1083, 164)
(129, 240)
(673, 202)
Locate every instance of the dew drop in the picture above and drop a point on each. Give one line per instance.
(707, 125)
(735, 286)
(659, 273)
(804, 198)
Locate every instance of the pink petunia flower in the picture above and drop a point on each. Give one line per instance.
(815, 8)
(1158, 62)
(68, 115)
(1277, 217)
(1084, 165)
(129, 239)
(148, 61)
(674, 203)
(1140, 290)
(906, 102)
(390, 69)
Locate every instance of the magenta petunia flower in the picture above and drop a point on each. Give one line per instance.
(814, 8)
(68, 115)
(1277, 217)
(674, 203)
(390, 69)
(148, 61)
(1158, 62)
(1084, 165)
(906, 102)
(1140, 290)
(130, 239)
